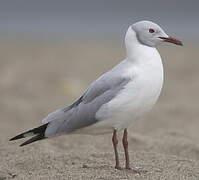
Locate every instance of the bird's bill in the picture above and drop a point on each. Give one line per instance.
(171, 40)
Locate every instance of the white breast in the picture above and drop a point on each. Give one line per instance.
(138, 96)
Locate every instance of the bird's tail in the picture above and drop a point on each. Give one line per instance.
(39, 133)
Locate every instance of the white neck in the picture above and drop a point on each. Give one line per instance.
(135, 51)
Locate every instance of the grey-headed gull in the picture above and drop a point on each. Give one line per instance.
(118, 97)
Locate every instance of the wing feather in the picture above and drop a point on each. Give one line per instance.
(82, 112)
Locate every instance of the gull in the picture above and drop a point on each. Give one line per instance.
(118, 97)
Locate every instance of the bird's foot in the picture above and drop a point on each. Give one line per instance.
(136, 171)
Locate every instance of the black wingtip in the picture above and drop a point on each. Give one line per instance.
(33, 139)
(39, 130)
(17, 137)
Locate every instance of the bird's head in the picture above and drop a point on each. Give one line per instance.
(150, 34)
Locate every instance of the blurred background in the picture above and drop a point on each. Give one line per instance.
(50, 51)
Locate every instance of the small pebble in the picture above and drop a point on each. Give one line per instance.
(84, 166)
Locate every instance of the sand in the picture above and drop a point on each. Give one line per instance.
(38, 76)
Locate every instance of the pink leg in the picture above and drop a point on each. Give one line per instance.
(115, 143)
(127, 165)
(125, 145)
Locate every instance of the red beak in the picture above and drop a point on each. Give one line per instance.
(171, 40)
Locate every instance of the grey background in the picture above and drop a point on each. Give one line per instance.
(92, 17)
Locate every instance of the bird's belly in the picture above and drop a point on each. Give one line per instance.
(137, 98)
(120, 113)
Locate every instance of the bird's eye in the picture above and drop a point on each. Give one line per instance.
(151, 30)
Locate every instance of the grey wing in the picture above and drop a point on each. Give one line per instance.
(82, 112)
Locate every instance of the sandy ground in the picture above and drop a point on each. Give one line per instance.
(36, 77)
